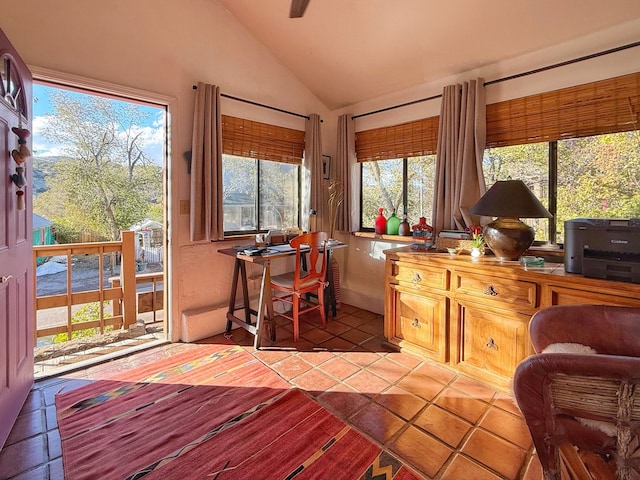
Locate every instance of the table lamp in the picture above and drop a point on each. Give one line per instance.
(509, 200)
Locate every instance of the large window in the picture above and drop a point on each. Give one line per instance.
(577, 148)
(260, 175)
(592, 177)
(400, 185)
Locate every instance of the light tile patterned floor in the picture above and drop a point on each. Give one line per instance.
(444, 425)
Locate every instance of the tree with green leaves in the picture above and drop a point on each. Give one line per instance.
(598, 177)
(382, 188)
(104, 183)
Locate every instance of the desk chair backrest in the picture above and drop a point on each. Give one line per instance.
(316, 270)
(300, 285)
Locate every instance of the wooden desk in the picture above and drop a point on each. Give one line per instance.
(265, 301)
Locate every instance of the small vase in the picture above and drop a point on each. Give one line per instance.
(476, 252)
(404, 228)
(393, 223)
(380, 223)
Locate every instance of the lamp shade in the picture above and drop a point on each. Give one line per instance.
(509, 200)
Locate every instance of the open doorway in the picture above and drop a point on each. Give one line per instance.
(99, 189)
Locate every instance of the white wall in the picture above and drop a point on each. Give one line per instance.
(363, 274)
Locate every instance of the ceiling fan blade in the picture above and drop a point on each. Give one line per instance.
(297, 8)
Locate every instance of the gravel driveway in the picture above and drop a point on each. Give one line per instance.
(84, 276)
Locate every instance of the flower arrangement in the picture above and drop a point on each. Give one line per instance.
(477, 238)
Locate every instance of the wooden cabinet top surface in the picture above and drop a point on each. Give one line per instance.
(550, 273)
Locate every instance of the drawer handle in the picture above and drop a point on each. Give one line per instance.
(415, 323)
(416, 278)
(491, 344)
(490, 291)
(6, 279)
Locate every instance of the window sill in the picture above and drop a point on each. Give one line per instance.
(388, 238)
(547, 251)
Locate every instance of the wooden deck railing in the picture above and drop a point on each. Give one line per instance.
(123, 295)
(147, 301)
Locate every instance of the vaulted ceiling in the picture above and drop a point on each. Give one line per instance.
(349, 51)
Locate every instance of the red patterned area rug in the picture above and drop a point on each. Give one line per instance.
(218, 414)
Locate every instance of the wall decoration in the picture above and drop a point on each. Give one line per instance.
(20, 155)
(326, 167)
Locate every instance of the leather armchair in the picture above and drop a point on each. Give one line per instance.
(585, 400)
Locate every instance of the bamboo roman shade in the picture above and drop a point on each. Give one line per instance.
(247, 138)
(606, 106)
(411, 139)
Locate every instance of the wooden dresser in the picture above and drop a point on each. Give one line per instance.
(474, 314)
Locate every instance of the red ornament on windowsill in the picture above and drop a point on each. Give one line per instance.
(381, 223)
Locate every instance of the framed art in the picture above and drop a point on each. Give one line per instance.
(326, 167)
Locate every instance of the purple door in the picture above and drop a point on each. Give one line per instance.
(16, 256)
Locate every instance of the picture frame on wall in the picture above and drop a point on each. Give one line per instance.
(326, 167)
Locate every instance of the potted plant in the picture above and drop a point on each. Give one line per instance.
(477, 240)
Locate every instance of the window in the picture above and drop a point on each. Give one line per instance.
(577, 148)
(403, 185)
(398, 170)
(529, 163)
(259, 195)
(598, 178)
(260, 175)
(594, 177)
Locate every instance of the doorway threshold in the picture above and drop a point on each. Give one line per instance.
(72, 362)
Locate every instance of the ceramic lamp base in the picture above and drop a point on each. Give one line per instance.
(508, 238)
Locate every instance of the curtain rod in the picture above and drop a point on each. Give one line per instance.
(511, 77)
(251, 102)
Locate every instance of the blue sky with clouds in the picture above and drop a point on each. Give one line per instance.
(153, 132)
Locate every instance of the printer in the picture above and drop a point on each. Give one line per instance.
(603, 248)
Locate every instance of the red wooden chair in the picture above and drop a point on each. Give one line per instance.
(297, 285)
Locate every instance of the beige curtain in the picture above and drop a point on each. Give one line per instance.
(206, 217)
(461, 141)
(345, 157)
(313, 172)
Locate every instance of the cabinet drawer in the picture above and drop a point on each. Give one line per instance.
(558, 295)
(490, 290)
(419, 276)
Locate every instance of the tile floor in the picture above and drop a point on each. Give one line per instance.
(446, 426)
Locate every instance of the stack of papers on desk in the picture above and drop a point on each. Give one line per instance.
(279, 249)
(286, 248)
(252, 251)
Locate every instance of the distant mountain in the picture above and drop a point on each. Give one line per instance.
(42, 168)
